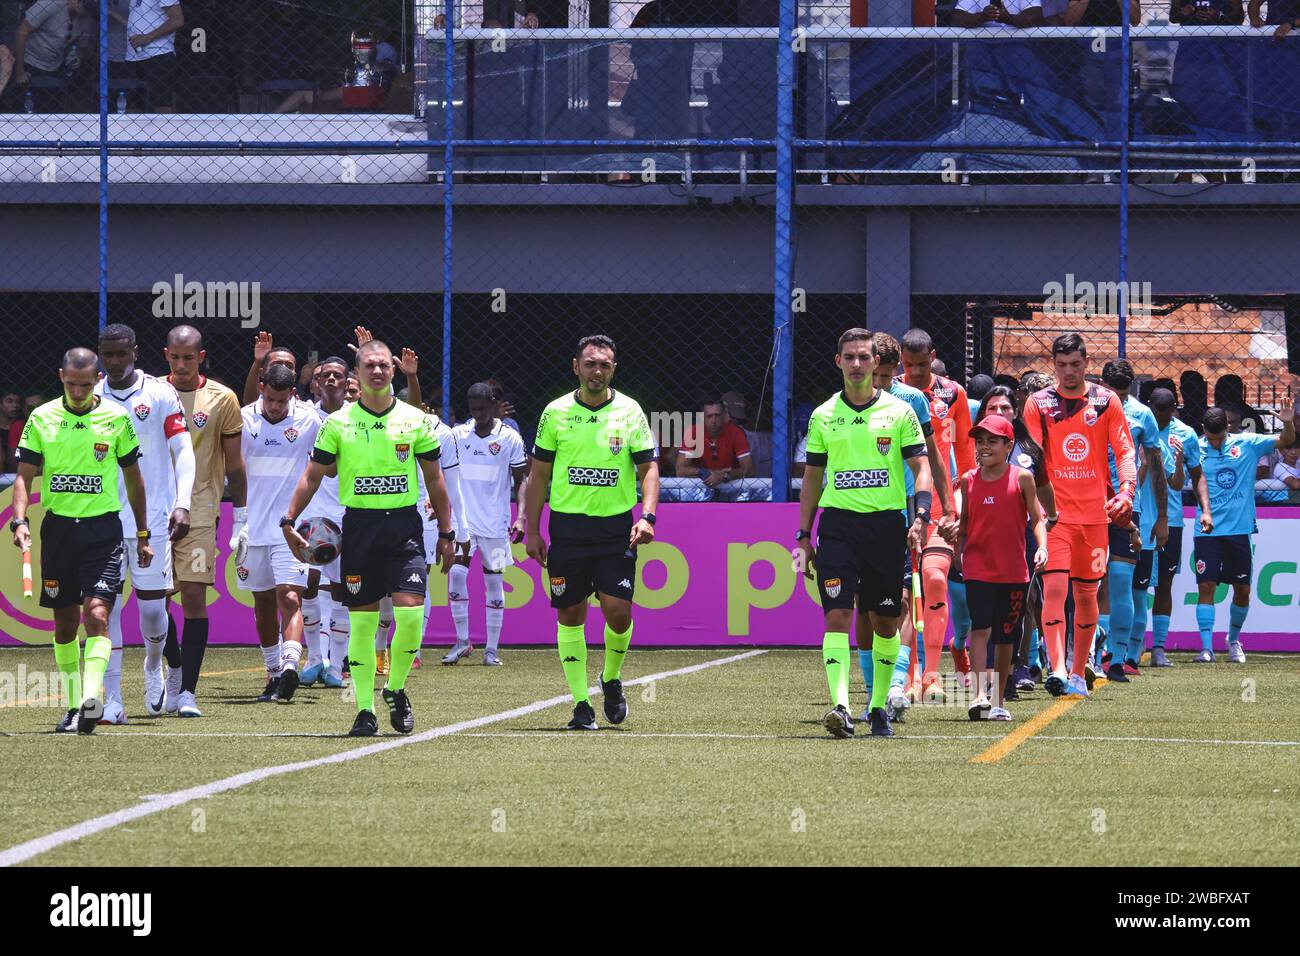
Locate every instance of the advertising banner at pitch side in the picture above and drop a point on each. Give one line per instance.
(716, 575)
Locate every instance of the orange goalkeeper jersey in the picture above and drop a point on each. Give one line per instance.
(1075, 433)
(950, 417)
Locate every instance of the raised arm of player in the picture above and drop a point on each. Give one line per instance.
(441, 502)
(643, 531)
(1285, 438)
(409, 365)
(261, 349)
(539, 479)
(135, 496)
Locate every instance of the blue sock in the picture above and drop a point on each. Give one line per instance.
(864, 659)
(1120, 574)
(1103, 624)
(1138, 635)
(1236, 618)
(959, 614)
(901, 667)
(1035, 649)
(1205, 621)
(1159, 630)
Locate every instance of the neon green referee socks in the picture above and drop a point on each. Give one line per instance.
(884, 654)
(361, 656)
(406, 641)
(97, 653)
(68, 657)
(572, 643)
(835, 655)
(616, 646)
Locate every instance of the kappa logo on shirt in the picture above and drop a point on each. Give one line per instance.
(142, 411)
(414, 578)
(625, 583)
(101, 585)
(887, 602)
(200, 419)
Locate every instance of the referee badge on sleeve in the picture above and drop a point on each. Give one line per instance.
(353, 583)
(883, 443)
(403, 452)
(101, 450)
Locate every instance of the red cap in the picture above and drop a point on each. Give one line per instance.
(995, 425)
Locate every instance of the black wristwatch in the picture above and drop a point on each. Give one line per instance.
(447, 535)
(648, 517)
(285, 521)
(801, 534)
(15, 522)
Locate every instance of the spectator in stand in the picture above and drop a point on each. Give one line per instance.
(1206, 13)
(1285, 14)
(11, 406)
(716, 454)
(1287, 470)
(118, 14)
(52, 40)
(1195, 399)
(151, 48)
(760, 442)
(1230, 392)
(1008, 14)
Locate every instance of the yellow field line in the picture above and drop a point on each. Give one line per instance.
(242, 670)
(1026, 730)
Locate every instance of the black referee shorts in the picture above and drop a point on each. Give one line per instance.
(589, 555)
(860, 555)
(383, 553)
(80, 558)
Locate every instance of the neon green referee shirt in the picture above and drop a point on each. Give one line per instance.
(79, 454)
(377, 455)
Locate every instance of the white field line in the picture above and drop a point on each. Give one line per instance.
(158, 803)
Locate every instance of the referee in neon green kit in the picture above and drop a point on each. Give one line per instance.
(78, 442)
(374, 445)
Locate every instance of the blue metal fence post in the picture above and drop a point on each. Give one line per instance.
(103, 166)
(1126, 55)
(782, 319)
(448, 159)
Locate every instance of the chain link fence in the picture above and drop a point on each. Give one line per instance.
(993, 173)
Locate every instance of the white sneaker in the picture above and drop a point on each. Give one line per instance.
(114, 713)
(187, 707)
(896, 704)
(1236, 653)
(999, 713)
(173, 690)
(154, 694)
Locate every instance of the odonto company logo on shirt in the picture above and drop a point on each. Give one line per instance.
(1075, 447)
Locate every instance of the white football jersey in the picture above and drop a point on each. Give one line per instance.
(157, 415)
(325, 503)
(275, 456)
(485, 482)
(448, 456)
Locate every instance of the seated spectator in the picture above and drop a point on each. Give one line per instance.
(717, 453)
(760, 441)
(1007, 14)
(151, 49)
(1287, 470)
(11, 406)
(118, 17)
(53, 40)
(330, 99)
(1099, 13)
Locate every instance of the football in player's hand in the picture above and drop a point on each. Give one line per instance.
(324, 539)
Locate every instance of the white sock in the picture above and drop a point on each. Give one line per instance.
(113, 675)
(311, 630)
(340, 634)
(385, 623)
(272, 657)
(153, 625)
(322, 635)
(458, 600)
(290, 651)
(495, 586)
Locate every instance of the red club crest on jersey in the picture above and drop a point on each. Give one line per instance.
(291, 434)
(1234, 452)
(1090, 416)
(353, 583)
(939, 408)
(242, 572)
(882, 444)
(142, 411)
(403, 452)
(200, 419)
(495, 447)
(101, 451)
(1200, 567)
(615, 444)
